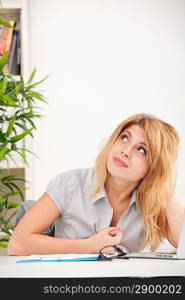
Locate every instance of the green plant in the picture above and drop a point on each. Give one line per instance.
(18, 112)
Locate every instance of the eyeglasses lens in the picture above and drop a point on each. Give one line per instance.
(109, 252)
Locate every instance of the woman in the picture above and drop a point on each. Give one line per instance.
(128, 198)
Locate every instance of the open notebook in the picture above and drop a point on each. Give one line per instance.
(58, 258)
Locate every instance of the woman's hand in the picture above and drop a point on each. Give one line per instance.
(105, 237)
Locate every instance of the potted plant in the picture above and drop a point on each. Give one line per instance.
(18, 112)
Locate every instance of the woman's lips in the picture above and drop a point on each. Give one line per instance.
(120, 162)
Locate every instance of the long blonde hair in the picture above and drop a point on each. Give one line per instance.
(158, 186)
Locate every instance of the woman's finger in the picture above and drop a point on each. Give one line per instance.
(113, 232)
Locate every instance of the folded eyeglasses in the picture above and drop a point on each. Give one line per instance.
(113, 252)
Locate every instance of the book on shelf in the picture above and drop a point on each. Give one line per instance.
(6, 37)
(3, 37)
(10, 41)
(14, 57)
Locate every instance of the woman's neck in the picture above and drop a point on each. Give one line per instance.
(118, 190)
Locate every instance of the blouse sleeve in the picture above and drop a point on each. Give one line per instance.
(58, 191)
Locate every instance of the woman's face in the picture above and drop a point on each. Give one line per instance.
(128, 158)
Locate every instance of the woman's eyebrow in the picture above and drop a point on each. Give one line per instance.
(129, 133)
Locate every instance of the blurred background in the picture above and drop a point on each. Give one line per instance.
(106, 60)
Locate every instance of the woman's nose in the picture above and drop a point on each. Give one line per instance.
(126, 151)
(125, 154)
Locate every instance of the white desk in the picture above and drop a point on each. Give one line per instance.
(119, 268)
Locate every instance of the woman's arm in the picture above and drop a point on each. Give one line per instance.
(174, 215)
(27, 238)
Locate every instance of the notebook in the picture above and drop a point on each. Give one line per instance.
(58, 258)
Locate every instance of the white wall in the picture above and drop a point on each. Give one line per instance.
(107, 60)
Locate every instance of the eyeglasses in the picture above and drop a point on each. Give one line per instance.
(112, 252)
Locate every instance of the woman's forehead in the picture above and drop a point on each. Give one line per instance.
(134, 130)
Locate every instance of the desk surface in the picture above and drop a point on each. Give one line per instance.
(117, 268)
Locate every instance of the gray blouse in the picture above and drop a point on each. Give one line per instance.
(82, 214)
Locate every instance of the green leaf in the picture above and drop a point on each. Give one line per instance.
(10, 126)
(20, 136)
(21, 79)
(23, 156)
(30, 121)
(3, 221)
(7, 101)
(21, 126)
(29, 152)
(3, 85)
(2, 137)
(37, 83)
(3, 152)
(3, 60)
(9, 186)
(10, 178)
(9, 194)
(10, 183)
(5, 239)
(6, 229)
(32, 76)
(7, 24)
(3, 245)
(37, 96)
(31, 115)
(19, 87)
(13, 204)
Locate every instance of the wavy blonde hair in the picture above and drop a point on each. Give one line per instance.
(157, 187)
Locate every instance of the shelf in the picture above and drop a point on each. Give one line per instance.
(18, 10)
(11, 4)
(10, 13)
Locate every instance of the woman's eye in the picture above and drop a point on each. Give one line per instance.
(124, 137)
(142, 150)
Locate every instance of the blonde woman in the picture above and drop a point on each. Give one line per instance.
(127, 198)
